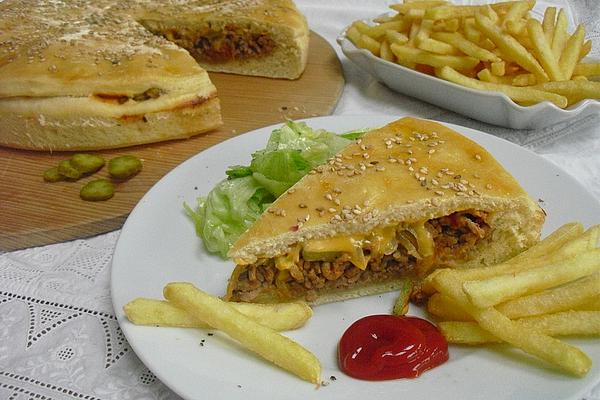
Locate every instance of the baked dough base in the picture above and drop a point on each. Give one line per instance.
(93, 132)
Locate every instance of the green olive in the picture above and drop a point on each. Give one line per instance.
(97, 190)
(87, 163)
(66, 169)
(124, 167)
(52, 175)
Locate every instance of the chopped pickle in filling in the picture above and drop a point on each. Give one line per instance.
(338, 263)
(152, 93)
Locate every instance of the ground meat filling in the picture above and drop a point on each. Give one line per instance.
(232, 44)
(453, 236)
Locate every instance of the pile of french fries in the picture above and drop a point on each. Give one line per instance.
(254, 326)
(495, 47)
(552, 289)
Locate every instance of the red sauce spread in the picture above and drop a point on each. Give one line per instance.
(381, 347)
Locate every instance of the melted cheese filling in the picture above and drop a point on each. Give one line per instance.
(382, 241)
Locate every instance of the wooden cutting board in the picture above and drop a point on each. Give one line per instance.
(34, 212)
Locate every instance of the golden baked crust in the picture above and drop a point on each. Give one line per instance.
(80, 63)
(458, 174)
(404, 174)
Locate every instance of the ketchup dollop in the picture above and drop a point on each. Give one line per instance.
(381, 347)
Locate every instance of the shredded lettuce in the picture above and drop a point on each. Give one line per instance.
(235, 203)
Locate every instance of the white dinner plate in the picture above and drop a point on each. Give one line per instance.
(492, 107)
(158, 245)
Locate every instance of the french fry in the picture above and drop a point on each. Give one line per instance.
(516, 12)
(548, 23)
(396, 37)
(490, 13)
(447, 12)
(362, 27)
(353, 34)
(366, 42)
(592, 305)
(560, 34)
(560, 354)
(443, 307)
(516, 28)
(587, 69)
(573, 90)
(510, 47)
(524, 80)
(418, 56)
(568, 323)
(471, 31)
(280, 317)
(585, 49)
(424, 31)
(263, 341)
(498, 68)
(486, 75)
(419, 5)
(378, 31)
(447, 25)
(544, 51)
(413, 32)
(385, 52)
(465, 332)
(469, 48)
(570, 296)
(570, 56)
(518, 94)
(436, 46)
(489, 292)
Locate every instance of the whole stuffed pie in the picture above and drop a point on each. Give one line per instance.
(85, 75)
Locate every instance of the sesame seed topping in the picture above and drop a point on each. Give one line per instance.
(477, 157)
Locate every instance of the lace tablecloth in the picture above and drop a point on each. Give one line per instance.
(59, 338)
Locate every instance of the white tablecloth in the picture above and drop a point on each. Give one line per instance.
(59, 338)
